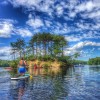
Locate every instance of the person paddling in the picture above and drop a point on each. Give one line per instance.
(22, 66)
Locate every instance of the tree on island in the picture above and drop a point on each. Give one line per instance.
(18, 46)
(42, 44)
(48, 44)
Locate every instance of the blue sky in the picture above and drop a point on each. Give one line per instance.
(77, 20)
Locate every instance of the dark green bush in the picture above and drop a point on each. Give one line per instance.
(45, 58)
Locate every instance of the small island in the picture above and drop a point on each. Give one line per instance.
(45, 50)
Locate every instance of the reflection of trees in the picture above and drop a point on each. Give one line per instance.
(47, 87)
(14, 90)
(43, 87)
(95, 68)
(17, 89)
(78, 75)
(59, 90)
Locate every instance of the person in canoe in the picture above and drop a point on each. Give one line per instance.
(22, 66)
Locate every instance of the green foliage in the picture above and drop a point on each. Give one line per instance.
(76, 55)
(75, 62)
(14, 65)
(44, 47)
(18, 46)
(46, 65)
(30, 57)
(94, 61)
(48, 43)
(65, 60)
(4, 63)
(46, 58)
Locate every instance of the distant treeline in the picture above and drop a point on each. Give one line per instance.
(75, 62)
(4, 63)
(94, 61)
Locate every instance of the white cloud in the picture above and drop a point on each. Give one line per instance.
(72, 38)
(6, 28)
(86, 6)
(83, 44)
(88, 26)
(44, 6)
(94, 14)
(23, 32)
(58, 28)
(5, 53)
(67, 11)
(81, 36)
(48, 23)
(78, 47)
(35, 22)
(59, 10)
(72, 14)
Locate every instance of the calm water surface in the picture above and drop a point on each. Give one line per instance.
(78, 83)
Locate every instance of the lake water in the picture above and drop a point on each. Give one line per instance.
(78, 83)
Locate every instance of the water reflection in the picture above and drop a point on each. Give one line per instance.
(44, 71)
(95, 68)
(18, 87)
(21, 89)
(76, 83)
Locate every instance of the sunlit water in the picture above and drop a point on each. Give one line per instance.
(78, 83)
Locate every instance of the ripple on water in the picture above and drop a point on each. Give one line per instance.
(77, 84)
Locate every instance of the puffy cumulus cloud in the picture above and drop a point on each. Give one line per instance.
(39, 5)
(59, 28)
(35, 22)
(86, 6)
(6, 27)
(91, 35)
(50, 6)
(82, 36)
(82, 16)
(48, 23)
(83, 44)
(91, 10)
(78, 47)
(59, 10)
(5, 53)
(23, 32)
(87, 53)
(73, 38)
(88, 26)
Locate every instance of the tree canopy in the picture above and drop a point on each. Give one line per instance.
(41, 44)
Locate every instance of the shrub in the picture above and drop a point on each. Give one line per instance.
(31, 57)
(46, 58)
(46, 66)
(14, 65)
